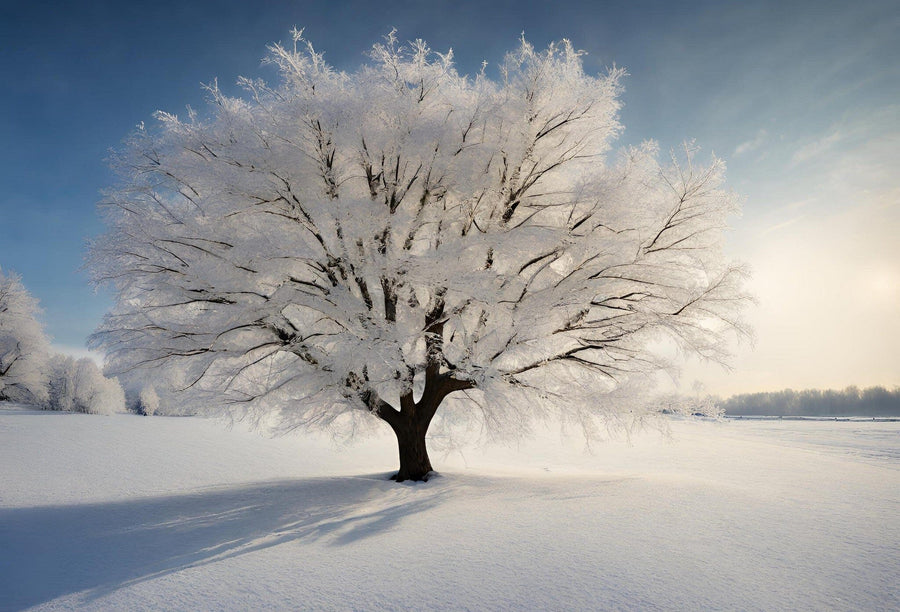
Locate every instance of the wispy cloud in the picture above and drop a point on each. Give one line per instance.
(782, 225)
(798, 204)
(818, 147)
(856, 134)
(752, 144)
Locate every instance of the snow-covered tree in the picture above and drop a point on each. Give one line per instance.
(148, 401)
(24, 348)
(61, 374)
(79, 386)
(381, 241)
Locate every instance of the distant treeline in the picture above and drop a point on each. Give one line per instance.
(874, 401)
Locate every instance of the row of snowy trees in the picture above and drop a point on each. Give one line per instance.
(31, 374)
(852, 401)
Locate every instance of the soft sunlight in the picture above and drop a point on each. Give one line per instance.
(578, 305)
(884, 283)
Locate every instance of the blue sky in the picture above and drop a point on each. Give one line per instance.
(801, 98)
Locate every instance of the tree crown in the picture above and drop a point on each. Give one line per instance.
(326, 244)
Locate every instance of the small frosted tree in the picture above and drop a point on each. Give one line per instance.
(78, 385)
(148, 401)
(378, 242)
(24, 348)
(62, 370)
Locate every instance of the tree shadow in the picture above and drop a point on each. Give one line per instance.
(48, 552)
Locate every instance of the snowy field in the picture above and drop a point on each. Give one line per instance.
(136, 513)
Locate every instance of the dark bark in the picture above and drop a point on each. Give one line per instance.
(414, 462)
(410, 423)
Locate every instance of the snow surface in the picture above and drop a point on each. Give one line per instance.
(130, 513)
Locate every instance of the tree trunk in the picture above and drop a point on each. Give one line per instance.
(410, 423)
(414, 462)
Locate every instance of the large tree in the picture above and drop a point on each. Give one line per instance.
(376, 241)
(24, 348)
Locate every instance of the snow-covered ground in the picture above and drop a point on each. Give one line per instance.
(137, 513)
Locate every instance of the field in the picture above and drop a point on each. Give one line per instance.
(135, 513)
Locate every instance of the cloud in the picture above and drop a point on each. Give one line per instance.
(752, 144)
(78, 352)
(798, 204)
(818, 147)
(872, 134)
(782, 225)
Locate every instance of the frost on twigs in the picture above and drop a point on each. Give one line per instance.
(339, 244)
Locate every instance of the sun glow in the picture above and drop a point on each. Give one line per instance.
(883, 284)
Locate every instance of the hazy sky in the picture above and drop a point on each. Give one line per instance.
(801, 98)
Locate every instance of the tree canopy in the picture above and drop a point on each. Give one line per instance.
(377, 241)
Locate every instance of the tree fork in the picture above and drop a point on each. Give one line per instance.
(410, 424)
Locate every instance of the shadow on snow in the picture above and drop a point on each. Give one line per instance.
(48, 552)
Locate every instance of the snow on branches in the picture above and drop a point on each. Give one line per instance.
(24, 348)
(378, 240)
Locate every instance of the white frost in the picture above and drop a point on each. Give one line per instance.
(317, 247)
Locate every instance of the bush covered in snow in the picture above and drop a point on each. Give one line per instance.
(79, 386)
(701, 406)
